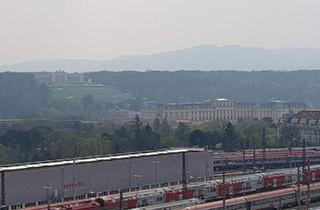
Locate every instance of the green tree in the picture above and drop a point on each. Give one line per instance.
(151, 139)
(230, 138)
(198, 138)
(165, 127)
(87, 101)
(137, 139)
(169, 141)
(156, 125)
(182, 133)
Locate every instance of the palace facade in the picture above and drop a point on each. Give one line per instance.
(219, 109)
(59, 77)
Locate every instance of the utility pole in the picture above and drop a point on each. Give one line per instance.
(156, 162)
(3, 189)
(195, 186)
(62, 184)
(48, 197)
(290, 151)
(137, 176)
(129, 171)
(264, 145)
(244, 158)
(299, 191)
(303, 154)
(74, 172)
(224, 190)
(254, 155)
(121, 199)
(207, 165)
(184, 176)
(280, 203)
(308, 184)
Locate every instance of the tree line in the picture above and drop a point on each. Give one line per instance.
(45, 143)
(186, 86)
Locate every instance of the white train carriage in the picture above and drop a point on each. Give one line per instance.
(151, 197)
(207, 191)
(240, 184)
(280, 178)
(172, 205)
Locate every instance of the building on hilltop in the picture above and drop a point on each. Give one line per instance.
(294, 127)
(219, 109)
(59, 77)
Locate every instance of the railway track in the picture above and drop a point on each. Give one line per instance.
(218, 175)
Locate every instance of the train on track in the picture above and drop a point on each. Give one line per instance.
(276, 199)
(271, 158)
(205, 191)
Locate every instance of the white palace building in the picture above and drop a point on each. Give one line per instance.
(219, 109)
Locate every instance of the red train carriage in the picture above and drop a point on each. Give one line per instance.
(313, 174)
(73, 205)
(230, 189)
(133, 199)
(128, 202)
(273, 181)
(282, 178)
(176, 194)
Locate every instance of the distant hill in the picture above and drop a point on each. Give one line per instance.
(203, 57)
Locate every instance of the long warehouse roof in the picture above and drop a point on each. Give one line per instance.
(80, 160)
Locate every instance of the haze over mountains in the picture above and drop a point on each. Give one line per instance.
(202, 57)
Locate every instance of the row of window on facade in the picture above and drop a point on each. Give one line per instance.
(188, 107)
(228, 114)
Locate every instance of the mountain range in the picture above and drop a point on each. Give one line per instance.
(202, 57)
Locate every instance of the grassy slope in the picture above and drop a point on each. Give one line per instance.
(76, 93)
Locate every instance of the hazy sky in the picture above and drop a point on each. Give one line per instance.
(104, 29)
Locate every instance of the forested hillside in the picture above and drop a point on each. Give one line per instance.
(23, 97)
(185, 86)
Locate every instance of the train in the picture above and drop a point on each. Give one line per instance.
(172, 205)
(276, 199)
(93, 205)
(271, 158)
(205, 191)
(71, 205)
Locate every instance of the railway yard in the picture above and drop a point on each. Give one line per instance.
(168, 179)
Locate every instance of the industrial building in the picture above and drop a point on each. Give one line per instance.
(294, 127)
(27, 184)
